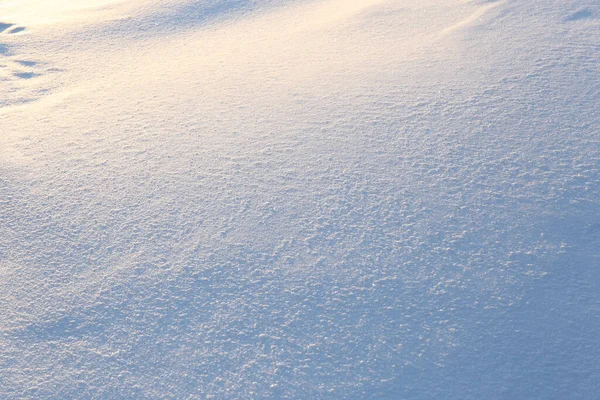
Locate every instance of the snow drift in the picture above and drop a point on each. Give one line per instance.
(299, 199)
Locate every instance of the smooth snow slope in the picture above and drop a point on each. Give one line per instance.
(309, 199)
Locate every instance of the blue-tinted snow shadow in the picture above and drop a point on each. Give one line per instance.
(200, 11)
(18, 29)
(579, 15)
(185, 16)
(544, 347)
(4, 26)
(189, 15)
(24, 75)
(182, 17)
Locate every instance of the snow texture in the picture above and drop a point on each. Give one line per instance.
(299, 199)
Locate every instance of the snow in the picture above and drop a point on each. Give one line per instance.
(299, 199)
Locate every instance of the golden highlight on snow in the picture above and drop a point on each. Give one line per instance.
(299, 199)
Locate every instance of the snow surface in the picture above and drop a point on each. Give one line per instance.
(304, 199)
